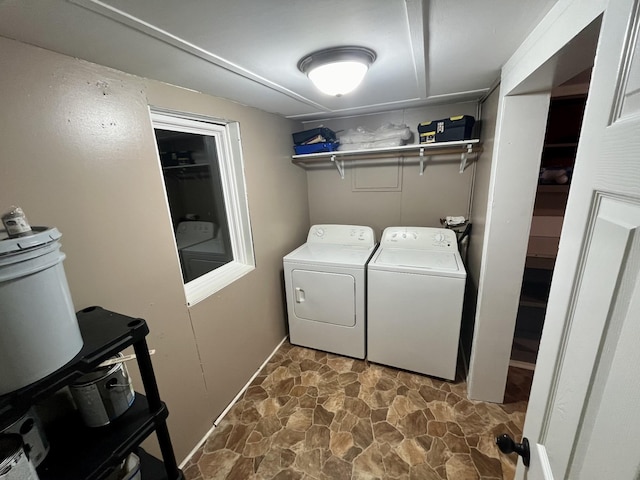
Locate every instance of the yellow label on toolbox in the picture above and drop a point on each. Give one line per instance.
(459, 117)
(428, 137)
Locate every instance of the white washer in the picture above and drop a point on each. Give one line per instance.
(416, 283)
(325, 282)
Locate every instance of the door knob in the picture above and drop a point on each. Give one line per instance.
(507, 445)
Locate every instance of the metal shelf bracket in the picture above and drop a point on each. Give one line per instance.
(421, 160)
(339, 165)
(464, 157)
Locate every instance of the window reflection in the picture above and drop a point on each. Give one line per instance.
(194, 192)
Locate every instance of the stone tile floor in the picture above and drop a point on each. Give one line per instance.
(313, 415)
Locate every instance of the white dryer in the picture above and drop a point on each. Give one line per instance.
(188, 235)
(203, 257)
(416, 283)
(193, 232)
(325, 282)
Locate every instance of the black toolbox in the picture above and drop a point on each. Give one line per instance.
(446, 130)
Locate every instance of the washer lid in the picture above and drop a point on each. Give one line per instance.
(419, 261)
(340, 255)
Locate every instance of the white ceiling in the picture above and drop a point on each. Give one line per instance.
(437, 51)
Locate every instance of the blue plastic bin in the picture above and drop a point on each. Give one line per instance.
(315, 148)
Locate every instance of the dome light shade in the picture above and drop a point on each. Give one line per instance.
(338, 78)
(339, 70)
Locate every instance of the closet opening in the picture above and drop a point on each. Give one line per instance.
(564, 122)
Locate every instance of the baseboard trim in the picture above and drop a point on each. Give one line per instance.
(233, 402)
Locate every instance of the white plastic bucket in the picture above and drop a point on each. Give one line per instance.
(39, 331)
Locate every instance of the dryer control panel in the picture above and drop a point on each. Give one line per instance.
(422, 238)
(342, 235)
(192, 232)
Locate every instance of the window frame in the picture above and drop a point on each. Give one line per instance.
(234, 191)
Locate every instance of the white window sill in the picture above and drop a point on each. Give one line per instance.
(214, 281)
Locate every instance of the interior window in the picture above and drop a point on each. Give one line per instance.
(204, 185)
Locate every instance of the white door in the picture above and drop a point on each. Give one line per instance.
(583, 420)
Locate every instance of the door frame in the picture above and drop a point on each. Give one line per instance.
(562, 45)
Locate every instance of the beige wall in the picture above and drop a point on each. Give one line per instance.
(404, 197)
(478, 216)
(77, 152)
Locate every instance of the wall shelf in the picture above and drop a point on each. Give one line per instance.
(551, 188)
(423, 151)
(561, 145)
(187, 165)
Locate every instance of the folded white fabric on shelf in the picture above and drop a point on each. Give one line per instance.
(451, 221)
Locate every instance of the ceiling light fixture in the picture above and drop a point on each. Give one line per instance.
(339, 70)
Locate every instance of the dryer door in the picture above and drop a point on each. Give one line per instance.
(324, 297)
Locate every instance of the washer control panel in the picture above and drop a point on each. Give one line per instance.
(342, 235)
(423, 238)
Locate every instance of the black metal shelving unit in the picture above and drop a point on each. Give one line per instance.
(83, 453)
